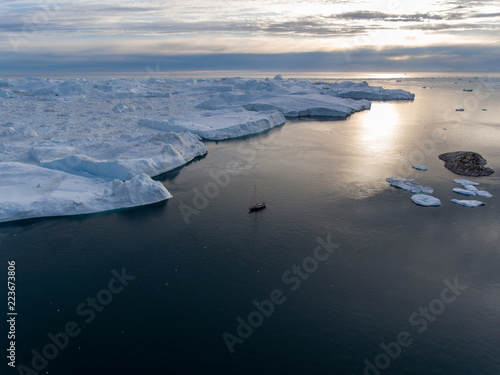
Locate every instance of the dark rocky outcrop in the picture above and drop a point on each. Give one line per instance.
(466, 163)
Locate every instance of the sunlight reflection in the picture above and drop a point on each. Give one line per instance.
(378, 126)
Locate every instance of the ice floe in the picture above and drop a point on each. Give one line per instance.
(420, 167)
(464, 192)
(468, 203)
(425, 200)
(484, 193)
(409, 185)
(465, 182)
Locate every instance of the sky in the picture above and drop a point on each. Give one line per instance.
(272, 35)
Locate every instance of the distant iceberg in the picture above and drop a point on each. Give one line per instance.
(362, 90)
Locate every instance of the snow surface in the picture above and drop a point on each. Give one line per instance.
(468, 203)
(73, 146)
(425, 200)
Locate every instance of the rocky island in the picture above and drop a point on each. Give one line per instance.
(466, 163)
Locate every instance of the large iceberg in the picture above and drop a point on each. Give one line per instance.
(28, 191)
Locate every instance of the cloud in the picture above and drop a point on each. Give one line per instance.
(473, 58)
(374, 15)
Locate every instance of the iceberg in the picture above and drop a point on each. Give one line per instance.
(362, 90)
(425, 200)
(123, 157)
(309, 105)
(220, 124)
(409, 185)
(73, 146)
(468, 203)
(28, 191)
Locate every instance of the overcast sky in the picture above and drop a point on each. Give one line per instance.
(283, 35)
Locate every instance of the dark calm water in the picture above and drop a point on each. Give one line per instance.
(196, 281)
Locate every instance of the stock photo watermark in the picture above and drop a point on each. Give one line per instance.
(419, 321)
(87, 311)
(33, 23)
(202, 196)
(292, 278)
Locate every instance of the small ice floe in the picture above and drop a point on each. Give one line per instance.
(420, 167)
(470, 188)
(464, 191)
(484, 193)
(467, 203)
(459, 109)
(409, 185)
(425, 200)
(465, 182)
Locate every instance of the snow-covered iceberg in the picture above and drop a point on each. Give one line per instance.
(219, 124)
(123, 157)
(28, 191)
(362, 90)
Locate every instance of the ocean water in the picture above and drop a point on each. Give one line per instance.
(340, 274)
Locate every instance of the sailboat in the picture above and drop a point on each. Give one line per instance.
(254, 205)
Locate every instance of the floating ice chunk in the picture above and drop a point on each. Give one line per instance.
(484, 193)
(420, 167)
(468, 203)
(465, 182)
(470, 188)
(425, 200)
(464, 191)
(58, 193)
(409, 185)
